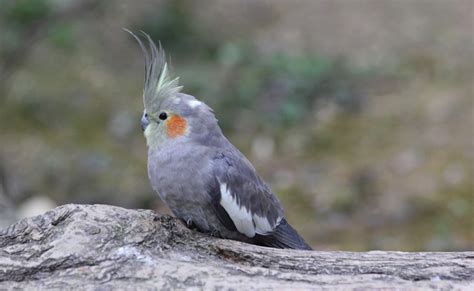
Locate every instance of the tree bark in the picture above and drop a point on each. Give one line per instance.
(108, 248)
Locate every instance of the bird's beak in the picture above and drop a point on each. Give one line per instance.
(144, 122)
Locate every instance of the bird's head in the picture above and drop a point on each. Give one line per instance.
(170, 115)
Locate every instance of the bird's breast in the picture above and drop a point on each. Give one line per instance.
(179, 175)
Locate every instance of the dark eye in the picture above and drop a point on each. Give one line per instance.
(163, 116)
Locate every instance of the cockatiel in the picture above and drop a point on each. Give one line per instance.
(198, 173)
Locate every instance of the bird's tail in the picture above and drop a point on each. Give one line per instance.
(284, 237)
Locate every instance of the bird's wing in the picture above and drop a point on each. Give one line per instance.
(240, 198)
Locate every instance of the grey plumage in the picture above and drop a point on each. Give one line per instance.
(249, 191)
(198, 173)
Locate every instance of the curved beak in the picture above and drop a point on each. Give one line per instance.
(144, 122)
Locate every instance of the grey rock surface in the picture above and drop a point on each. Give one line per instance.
(101, 247)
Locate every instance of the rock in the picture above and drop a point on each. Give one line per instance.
(108, 248)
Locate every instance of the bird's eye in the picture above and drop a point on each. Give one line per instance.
(163, 116)
(146, 115)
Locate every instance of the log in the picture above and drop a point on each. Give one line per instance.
(109, 248)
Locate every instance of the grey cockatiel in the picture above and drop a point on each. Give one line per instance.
(198, 173)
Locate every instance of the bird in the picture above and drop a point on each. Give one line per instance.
(199, 174)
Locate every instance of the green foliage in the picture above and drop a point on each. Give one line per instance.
(25, 12)
(174, 27)
(62, 35)
(16, 17)
(23, 19)
(285, 87)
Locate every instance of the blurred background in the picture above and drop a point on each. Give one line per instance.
(358, 114)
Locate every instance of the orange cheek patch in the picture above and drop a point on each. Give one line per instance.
(176, 126)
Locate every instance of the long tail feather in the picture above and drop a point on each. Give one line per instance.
(284, 237)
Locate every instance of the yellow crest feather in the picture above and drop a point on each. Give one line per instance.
(158, 86)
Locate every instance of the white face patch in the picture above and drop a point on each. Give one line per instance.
(147, 134)
(240, 215)
(155, 135)
(194, 103)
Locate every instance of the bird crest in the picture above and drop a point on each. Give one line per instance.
(159, 85)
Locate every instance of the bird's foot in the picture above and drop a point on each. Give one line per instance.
(215, 233)
(189, 223)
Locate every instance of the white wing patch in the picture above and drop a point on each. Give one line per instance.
(244, 221)
(239, 215)
(194, 103)
(262, 225)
